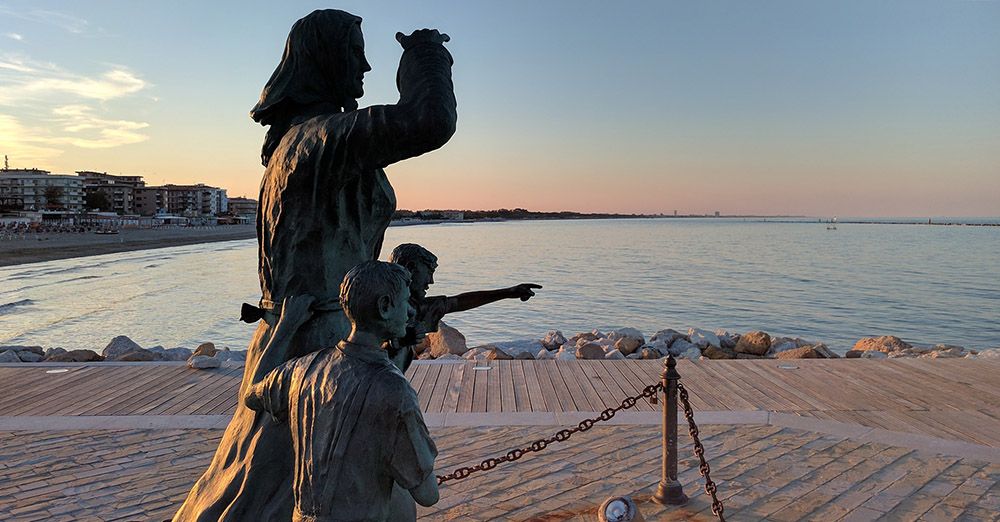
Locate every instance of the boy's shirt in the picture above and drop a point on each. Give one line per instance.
(356, 428)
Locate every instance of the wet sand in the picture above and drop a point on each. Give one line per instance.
(51, 246)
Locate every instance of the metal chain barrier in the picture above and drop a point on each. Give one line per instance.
(699, 450)
(649, 392)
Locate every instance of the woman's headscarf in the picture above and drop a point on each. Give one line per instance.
(313, 71)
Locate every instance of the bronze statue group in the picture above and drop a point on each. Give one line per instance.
(328, 428)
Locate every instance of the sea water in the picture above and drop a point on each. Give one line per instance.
(926, 284)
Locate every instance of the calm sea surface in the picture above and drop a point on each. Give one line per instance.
(926, 284)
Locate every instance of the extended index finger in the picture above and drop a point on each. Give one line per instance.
(532, 285)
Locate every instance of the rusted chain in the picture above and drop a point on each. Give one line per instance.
(699, 451)
(649, 392)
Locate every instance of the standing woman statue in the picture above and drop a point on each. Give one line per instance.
(325, 203)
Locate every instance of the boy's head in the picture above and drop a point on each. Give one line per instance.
(375, 296)
(421, 264)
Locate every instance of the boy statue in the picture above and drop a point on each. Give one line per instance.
(421, 264)
(357, 430)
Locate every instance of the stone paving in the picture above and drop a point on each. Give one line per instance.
(764, 472)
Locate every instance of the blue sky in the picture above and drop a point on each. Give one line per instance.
(834, 108)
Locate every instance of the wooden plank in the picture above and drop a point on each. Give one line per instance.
(467, 391)
(440, 390)
(427, 386)
(521, 400)
(554, 387)
(479, 390)
(506, 375)
(455, 381)
(536, 396)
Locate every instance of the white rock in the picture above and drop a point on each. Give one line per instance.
(668, 335)
(614, 355)
(703, 338)
(179, 354)
(515, 348)
(477, 354)
(544, 354)
(203, 362)
(681, 346)
(9, 356)
(230, 355)
(874, 354)
(553, 340)
(727, 338)
(989, 353)
(450, 357)
(635, 355)
(118, 347)
(565, 355)
(54, 351)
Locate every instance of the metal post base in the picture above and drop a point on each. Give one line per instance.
(670, 494)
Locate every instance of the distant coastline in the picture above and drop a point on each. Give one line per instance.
(53, 246)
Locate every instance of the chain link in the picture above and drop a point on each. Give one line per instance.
(649, 392)
(699, 451)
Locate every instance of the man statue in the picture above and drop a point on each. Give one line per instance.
(325, 203)
(355, 420)
(422, 264)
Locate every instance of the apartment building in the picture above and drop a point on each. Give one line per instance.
(243, 207)
(195, 200)
(120, 190)
(36, 189)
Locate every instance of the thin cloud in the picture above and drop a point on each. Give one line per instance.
(24, 145)
(15, 36)
(65, 21)
(112, 84)
(82, 128)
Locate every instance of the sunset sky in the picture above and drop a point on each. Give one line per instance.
(849, 108)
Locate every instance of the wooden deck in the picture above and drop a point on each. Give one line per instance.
(951, 399)
(787, 440)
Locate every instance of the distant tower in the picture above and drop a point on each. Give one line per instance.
(6, 164)
(675, 213)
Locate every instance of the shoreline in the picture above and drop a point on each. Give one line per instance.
(57, 246)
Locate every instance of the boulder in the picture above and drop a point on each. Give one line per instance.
(22, 349)
(54, 351)
(446, 340)
(565, 355)
(659, 345)
(614, 355)
(668, 335)
(646, 353)
(825, 352)
(716, 352)
(590, 350)
(75, 356)
(448, 357)
(206, 349)
(545, 354)
(806, 352)
(231, 355)
(874, 354)
(626, 340)
(516, 348)
(988, 353)
(749, 356)
(527, 356)
(118, 347)
(477, 353)
(853, 354)
(628, 345)
(426, 356)
(702, 338)
(9, 356)
(553, 340)
(754, 343)
(203, 362)
(691, 352)
(681, 345)
(727, 339)
(636, 355)
(592, 335)
(496, 354)
(781, 344)
(885, 343)
(139, 355)
(30, 357)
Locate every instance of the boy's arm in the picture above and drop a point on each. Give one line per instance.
(294, 313)
(470, 300)
(413, 452)
(271, 393)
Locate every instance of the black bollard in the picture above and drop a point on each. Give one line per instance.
(669, 491)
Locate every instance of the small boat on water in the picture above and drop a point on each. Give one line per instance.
(833, 224)
(107, 231)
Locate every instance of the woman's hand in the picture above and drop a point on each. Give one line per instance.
(421, 36)
(295, 310)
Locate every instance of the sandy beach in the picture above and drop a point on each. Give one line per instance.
(35, 248)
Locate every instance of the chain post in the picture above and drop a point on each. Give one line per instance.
(670, 491)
